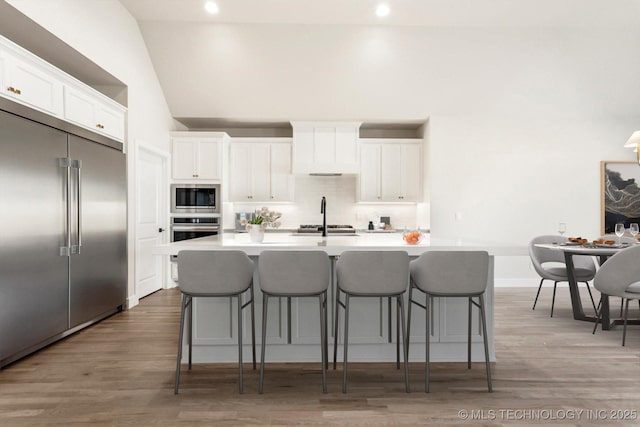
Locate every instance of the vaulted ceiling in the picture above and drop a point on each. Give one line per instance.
(261, 61)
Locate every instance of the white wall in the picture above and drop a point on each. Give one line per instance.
(103, 31)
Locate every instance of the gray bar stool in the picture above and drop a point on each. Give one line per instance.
(295, 274)
(452, 274)
(205, 274)
(370, 274)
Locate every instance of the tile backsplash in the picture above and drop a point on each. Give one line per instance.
(342, 207)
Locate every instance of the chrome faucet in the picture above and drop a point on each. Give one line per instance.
(323, 211)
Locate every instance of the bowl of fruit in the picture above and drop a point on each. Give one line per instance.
(412, 237)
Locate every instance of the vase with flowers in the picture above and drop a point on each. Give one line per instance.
(262, 219)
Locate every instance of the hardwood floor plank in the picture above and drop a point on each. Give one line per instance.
(120, 372)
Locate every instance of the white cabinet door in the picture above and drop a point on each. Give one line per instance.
(32, 84)
(208, 160)
(260, 172)
(281, 180)
(391, 172)
(197, 158)
(87, 110)
(239, 172)
(411, 173)
(109, 120)
(370, 173)
(184, 158)
(325, 147)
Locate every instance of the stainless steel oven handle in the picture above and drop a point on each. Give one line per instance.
(198, 228)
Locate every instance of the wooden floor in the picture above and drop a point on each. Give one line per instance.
(120, 372)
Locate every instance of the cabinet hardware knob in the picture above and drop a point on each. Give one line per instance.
(14, 90)
(272, 197)
(160, 230)
(100, 126)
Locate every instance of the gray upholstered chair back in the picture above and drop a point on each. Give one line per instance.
(373, 272)
(620, 271)
(539, 256)
(294, 272)
(451, 272)
(214, 272)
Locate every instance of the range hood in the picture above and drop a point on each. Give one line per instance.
(325, 148)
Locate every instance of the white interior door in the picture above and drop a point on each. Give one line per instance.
(151, 208)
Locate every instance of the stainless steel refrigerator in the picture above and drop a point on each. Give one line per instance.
(63, 253)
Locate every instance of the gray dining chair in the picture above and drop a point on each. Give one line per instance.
(550, 265)
(295, 274)
(370, 274)
(620, 277)
(208, 274)
(452, 274)
(625, 240)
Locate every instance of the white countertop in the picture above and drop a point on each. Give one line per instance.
(334, 245)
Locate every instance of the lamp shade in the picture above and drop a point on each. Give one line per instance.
(634, 140)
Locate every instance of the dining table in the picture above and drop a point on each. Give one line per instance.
(602, 252)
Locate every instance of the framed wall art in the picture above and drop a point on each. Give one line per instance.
(619, 194)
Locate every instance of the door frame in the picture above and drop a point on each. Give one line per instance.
(140, 146)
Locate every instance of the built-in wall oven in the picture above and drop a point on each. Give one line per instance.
(195, 199)
(191, 227)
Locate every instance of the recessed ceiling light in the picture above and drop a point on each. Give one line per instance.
(211, 7)
(382, 10)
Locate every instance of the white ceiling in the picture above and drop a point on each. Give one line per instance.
(465, 13)
(271, 61)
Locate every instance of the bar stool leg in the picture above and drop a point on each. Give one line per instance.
(253, 326)
(326, 329)
(486, 343)
(180, 339)
(404, 344)
(469, 335)
(335, 326)
(346, 343)
(265, 305)
(240, 370)
(323, 343)
(190, 304)
(410, 302)
(426, 345)
(398, 335)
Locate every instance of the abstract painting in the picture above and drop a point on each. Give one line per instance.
(620, 194)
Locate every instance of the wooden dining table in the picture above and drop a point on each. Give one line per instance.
(602, 252)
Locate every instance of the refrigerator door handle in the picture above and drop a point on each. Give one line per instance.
(77, 164)
(65, 163)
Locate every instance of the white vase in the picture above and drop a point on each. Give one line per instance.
(256, 234)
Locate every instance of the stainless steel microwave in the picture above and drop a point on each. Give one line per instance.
(195, 198)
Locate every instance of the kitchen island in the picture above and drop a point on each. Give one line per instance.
(372, 322)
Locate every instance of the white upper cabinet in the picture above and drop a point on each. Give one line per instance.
(28, 81)
(390, 171)
(323, 147)
(99, 114)
(197, 156)
(260, 170)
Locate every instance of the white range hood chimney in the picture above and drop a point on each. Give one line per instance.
(325, 148)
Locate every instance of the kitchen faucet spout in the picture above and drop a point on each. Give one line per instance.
(323, 211)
